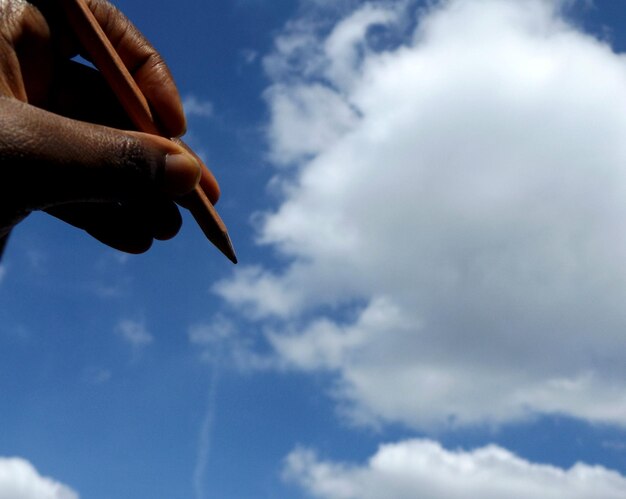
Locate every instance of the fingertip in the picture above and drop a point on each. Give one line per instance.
(182, 173)
(209, 185)
(208, 182)
(134, 243)
(166, 219)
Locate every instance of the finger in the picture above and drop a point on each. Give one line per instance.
(158, 217)
(54, 160)
(145, 64)
(208, 182)
(81, 93)
(111, 224)
(139, 56)
(129, 227)
(26, 43)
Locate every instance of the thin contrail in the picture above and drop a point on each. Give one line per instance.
(205, 439)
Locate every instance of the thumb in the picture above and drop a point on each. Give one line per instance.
(48, 160)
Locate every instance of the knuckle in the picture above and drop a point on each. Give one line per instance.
(134, 158)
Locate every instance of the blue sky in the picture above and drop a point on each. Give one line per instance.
(427, 205)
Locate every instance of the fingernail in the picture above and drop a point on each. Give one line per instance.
(182, 173)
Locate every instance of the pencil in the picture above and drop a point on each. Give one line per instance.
(105, 58)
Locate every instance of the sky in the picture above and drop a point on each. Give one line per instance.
(427, 199)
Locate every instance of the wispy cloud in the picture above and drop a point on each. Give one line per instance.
(109, 290)
(221, 340)
(213, 334)
(249, 56)
(195, 106)
(134, 333)
(37, 260)
(205, 438)
(215, 340)
(97, 375)
(20, 480)
(221, 345)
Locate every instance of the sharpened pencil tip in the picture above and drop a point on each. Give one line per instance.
(230, 251)
(210, 222)
(222, 241)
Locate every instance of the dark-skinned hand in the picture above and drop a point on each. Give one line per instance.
(67, 148)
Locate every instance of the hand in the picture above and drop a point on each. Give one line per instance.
(62, 148)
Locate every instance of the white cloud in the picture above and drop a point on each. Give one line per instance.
(221, 343)
(422, 468)
(346, 46)
(194, 106)
(134, 332)
(20, 480)
(302, 126)
(261, 292)
(218, 331)
(454, 225)
(214, 339)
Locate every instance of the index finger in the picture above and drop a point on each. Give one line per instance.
(145, 64)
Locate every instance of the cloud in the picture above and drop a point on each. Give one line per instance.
(20, 480)
(452, 220)
(96, 375)
(249, 56)
(195, 106)
(37, 259)
(221, 346)
(422, 468)
(134, 333)
(205, 438)
(219, 330)
(220, 342)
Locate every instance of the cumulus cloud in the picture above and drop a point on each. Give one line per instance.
(453, 221)
(422, 468)
(134, 333)
(20, 480)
